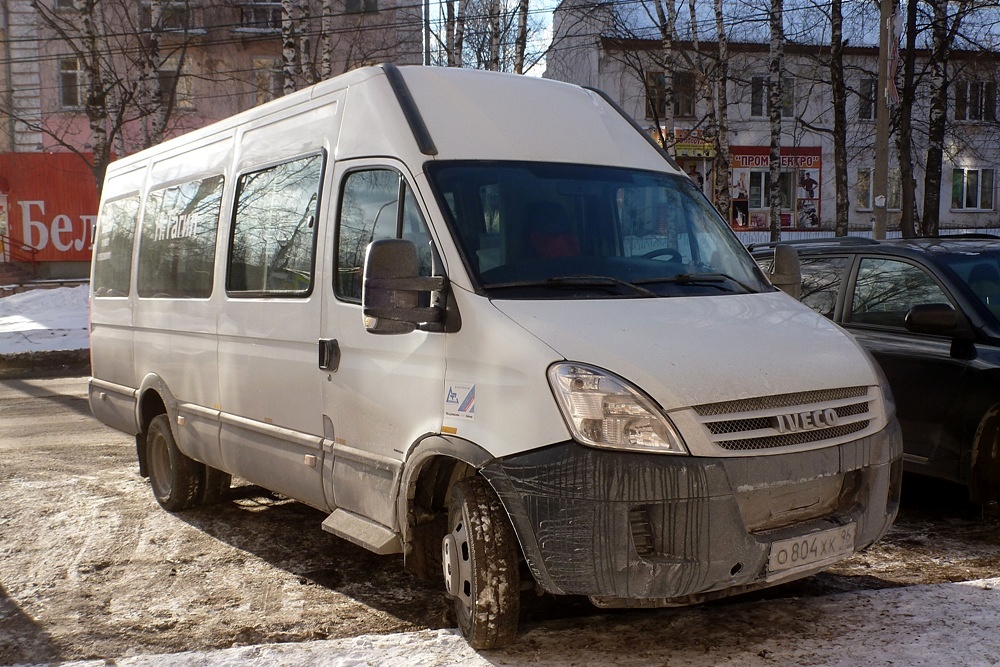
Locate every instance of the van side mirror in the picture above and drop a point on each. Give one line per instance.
(938, 319)
(390, 296)
(786, 272)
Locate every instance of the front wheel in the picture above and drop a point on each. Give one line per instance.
(176, 479)
(480, 563)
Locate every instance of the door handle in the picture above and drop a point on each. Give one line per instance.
(329, 354)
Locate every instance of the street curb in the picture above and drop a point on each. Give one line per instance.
(59, 363)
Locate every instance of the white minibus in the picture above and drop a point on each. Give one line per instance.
(484, 321)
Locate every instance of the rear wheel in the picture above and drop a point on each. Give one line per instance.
(480, 564)
(177, 480)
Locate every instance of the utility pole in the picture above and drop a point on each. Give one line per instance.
(880, 178)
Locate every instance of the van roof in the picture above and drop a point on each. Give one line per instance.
(468, 114)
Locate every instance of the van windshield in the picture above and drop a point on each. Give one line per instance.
(542, 230)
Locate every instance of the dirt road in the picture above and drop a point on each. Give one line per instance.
(91, 567)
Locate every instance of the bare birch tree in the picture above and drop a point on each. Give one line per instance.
(775, 98)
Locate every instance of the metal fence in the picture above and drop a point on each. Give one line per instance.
(764, 235)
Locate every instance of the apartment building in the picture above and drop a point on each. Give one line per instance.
(589, 48)
(203, 60)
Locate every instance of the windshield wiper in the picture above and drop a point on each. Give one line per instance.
(578, 281)
(709, 279)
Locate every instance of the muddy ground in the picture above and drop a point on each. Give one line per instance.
(92, 567)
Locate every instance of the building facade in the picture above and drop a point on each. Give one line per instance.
(588, 49)
(165, 67)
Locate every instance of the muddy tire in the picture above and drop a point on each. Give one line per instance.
(177, 480)
(481, 565)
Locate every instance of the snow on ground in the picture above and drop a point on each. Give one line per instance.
(43, 320)
(926, 625)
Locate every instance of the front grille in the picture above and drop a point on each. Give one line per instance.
(790, 420)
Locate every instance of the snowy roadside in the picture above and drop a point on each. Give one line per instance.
(932, 625)
(44, 320)
(45, 332)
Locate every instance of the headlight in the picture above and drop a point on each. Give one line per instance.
(603, 410)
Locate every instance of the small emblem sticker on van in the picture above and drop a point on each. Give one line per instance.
(460, 400)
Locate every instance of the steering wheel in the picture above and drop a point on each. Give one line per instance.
(673, 254)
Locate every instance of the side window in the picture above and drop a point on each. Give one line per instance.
(273, 245)
(821, 280)
(113, 252)
(887, 288)
(177, 246)
(370, 211)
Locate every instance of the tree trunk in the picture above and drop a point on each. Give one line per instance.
(722, 165)
(449, 33)
(463, 10)
(326, 25)
(904, 144)
(305, 43)
(521, 39)
(774, 106)
(667, 23)
(95, 105)
(839, 91)
(938, 124)
(289, 55)
(495, 30)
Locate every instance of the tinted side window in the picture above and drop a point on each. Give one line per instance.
(272, 250)
(177, 247)
(369, 211)
(821, 280)
(113, 253)
(887, 288)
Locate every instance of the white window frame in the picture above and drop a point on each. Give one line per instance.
(975, 101)
(867, 108)
(183, 93)
(759, 92)
(65, 73)
(864, 197)
(990, 203)
(269, 79)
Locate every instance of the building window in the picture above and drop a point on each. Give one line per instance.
(866, 99)
(975, 100)
(173, 16)
(70, 83)
(760, 189)
(175, 86)
(972, 189)
(863, 190)
(684, 91)
(360, 6)
(268, 79)
(261, 15)
(65, 4)
(758, 97)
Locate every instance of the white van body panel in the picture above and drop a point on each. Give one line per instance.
(768, 345)
(298, 391)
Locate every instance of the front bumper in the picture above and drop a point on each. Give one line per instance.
(645, 529)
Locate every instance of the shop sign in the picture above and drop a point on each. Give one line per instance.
(51, 204)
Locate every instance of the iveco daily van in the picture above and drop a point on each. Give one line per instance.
(484, 321)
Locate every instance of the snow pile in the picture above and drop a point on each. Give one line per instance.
(43, 320)
(926, 625)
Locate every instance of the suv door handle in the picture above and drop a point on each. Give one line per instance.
(329, 354)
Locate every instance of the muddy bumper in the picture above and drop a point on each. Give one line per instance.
(658, 529)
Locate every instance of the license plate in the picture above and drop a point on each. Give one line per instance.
(810, 550)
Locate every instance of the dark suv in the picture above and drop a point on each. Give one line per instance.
(929, 311)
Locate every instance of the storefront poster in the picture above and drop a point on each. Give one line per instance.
(801, 174)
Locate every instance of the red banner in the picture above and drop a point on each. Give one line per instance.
(51, 204)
